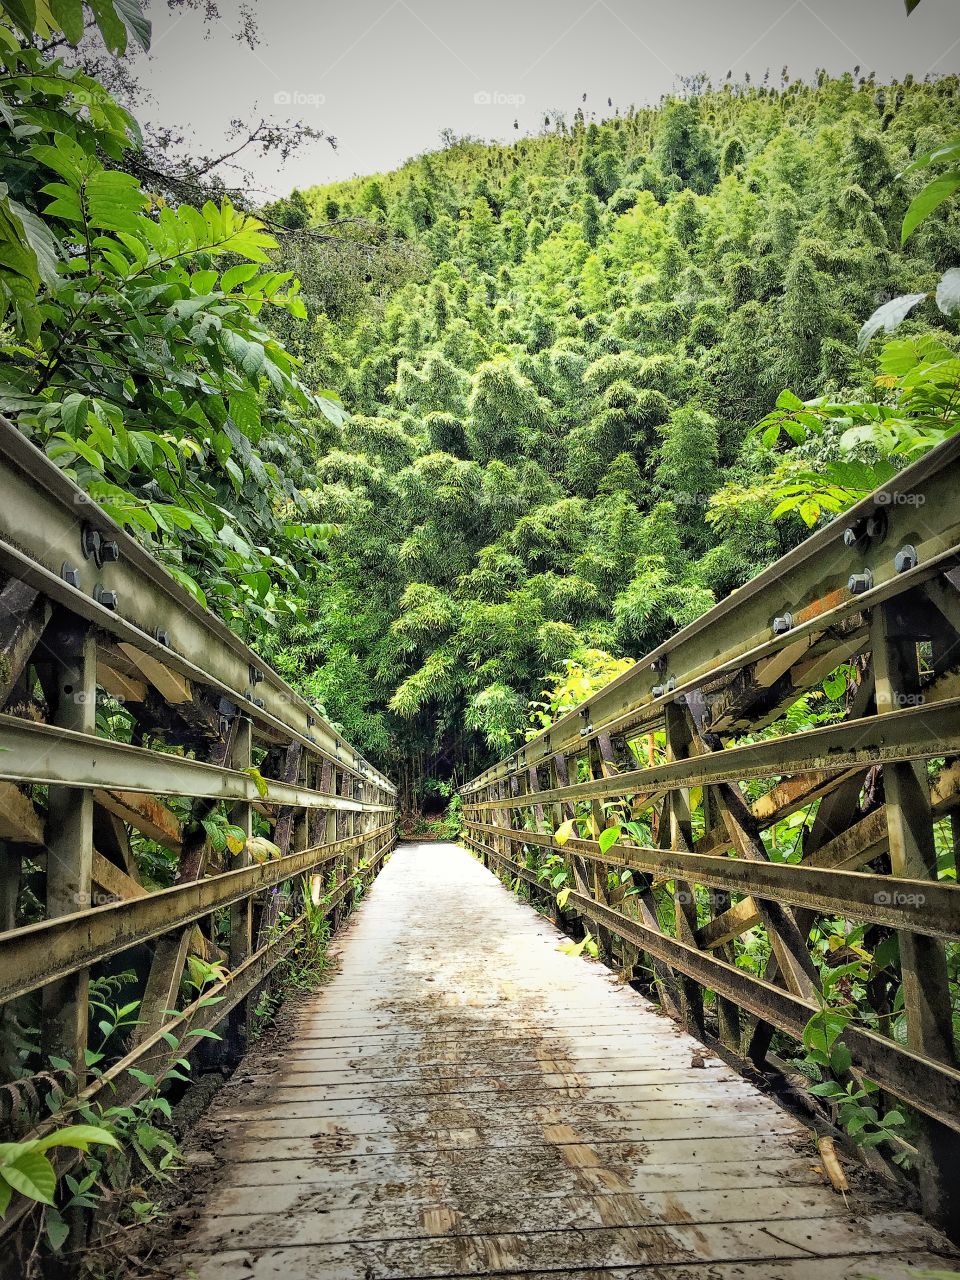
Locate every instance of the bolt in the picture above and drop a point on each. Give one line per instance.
(783, 624)
(906, 558)
(259, 702)
(70, 575)
(90, 542)
(850, 538)
(107, 598)
(657, 690)
(255, 675)
(162, 637)
(860, 582)
(109, 550)
(671, 685)
(876, 525)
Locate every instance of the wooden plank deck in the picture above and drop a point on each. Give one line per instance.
(464, 1099)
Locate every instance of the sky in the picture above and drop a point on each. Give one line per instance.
(384, 77)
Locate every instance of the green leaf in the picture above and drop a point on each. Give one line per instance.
(57, 1230)
(23, 13)
(115, 201)
(136, 23)
(608, 837)
(78, 1136)
(111, 25)
(925, 201)
(841, 1059)
(68, 15)
(562, 897)
(32, 1175)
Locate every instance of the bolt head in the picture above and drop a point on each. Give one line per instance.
(109, 550)
(657, 691)
(858, 583)
(162, 637)
(906, 558)
(850, 538)
(70, 575)
(108, 599)
(783, 624)
(89, 542)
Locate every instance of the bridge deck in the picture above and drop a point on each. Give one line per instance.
(465, 1099)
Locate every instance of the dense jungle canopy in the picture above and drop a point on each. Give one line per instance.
(440, 439)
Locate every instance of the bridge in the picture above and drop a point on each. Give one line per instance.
(471, 1093)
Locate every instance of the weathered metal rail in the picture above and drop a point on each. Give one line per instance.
(669, 745)
(133, 721)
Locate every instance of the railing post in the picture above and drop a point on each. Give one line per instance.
(923, 966)
(677, 809)
(69, 681)
(237, 1030)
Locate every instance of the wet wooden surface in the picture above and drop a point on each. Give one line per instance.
(464, 1099)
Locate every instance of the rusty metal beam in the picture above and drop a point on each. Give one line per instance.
(41, 753)
(38, 954)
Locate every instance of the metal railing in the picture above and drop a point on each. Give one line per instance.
(133, 719)
(668, 746)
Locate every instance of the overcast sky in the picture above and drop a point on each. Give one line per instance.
(385, 76)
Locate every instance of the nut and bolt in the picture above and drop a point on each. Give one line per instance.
(783, 624)
(90, 542)
(107, 598)
(906, 558)
(109, 551)
(162, 637)
(858, 583)
(70, 574)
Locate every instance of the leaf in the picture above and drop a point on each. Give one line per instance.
(115, 201)
(78, 1136)
(259, 782)
(888, 317)
(562, 897)
(23, 13)
(111, 25)
(135, 22)
(68, 15)
(32, 1175)
(925, 201)
(608, 837)
(948, 292)
(564, 831)
(841, 1059)
(57, 1230)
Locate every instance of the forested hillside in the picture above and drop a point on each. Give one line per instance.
(553, 363)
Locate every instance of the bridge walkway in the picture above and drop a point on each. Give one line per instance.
(463, 1098)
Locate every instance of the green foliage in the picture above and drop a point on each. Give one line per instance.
(138, 353)
(555, 451)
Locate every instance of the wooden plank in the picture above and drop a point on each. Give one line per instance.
(150, 817)
(171, 686)
(19, 820)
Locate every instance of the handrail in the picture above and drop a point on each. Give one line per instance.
(690, 756)
(88, 620)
